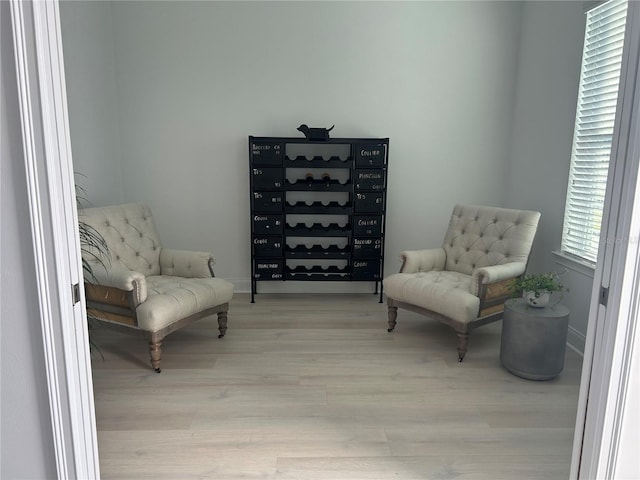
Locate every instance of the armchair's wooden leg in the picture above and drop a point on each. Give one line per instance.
(463, 341)
(154, 352)
(393, 314)
(222, 323)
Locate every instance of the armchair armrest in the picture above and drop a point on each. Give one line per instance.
(494, 274)
(183, 263)
(121, 278)
(423, 260)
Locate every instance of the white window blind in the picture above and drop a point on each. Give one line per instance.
(593, 132)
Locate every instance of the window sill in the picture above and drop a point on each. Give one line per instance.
(574, 264)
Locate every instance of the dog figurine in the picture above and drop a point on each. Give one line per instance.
(315, 133)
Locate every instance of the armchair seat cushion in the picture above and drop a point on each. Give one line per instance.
(444, 292)
(170, 298)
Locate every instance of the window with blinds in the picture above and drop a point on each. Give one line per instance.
(593, 132)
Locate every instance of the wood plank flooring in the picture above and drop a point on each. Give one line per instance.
(307, 387)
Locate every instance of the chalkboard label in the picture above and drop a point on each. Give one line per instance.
(367, 225)
(266, 178)
(266, 153)
(367, 247)
(365, 270)
(369, 179)
(267, 246)
(370, 155)
(267, 201)
(369, 202)
(267, 224)
(266, 269)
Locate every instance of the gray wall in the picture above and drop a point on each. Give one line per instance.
(26, 441)
(544, 115)
(93, 101)
(195, 78)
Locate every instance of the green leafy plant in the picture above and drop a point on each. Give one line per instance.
(93, 246)
(94, 250)
(538, 283)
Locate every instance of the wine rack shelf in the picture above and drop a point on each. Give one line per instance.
(335, 208)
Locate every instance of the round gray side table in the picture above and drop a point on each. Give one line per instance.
(533, 339)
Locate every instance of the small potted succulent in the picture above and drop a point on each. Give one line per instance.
(536, 289)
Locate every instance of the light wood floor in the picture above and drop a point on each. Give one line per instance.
(313, 387)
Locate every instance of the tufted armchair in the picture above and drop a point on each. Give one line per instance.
(143, 288)
(465, 282)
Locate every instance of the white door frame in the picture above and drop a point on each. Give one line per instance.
(54, 219)
(43, 106)
(612, 325)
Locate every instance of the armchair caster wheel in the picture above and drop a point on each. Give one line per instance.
(158, 370)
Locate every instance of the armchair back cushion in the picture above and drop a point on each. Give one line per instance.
(131, 235)
(486, 236)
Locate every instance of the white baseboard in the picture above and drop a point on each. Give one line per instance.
(576, 340)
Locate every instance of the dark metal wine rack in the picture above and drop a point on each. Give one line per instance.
(356, 242)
